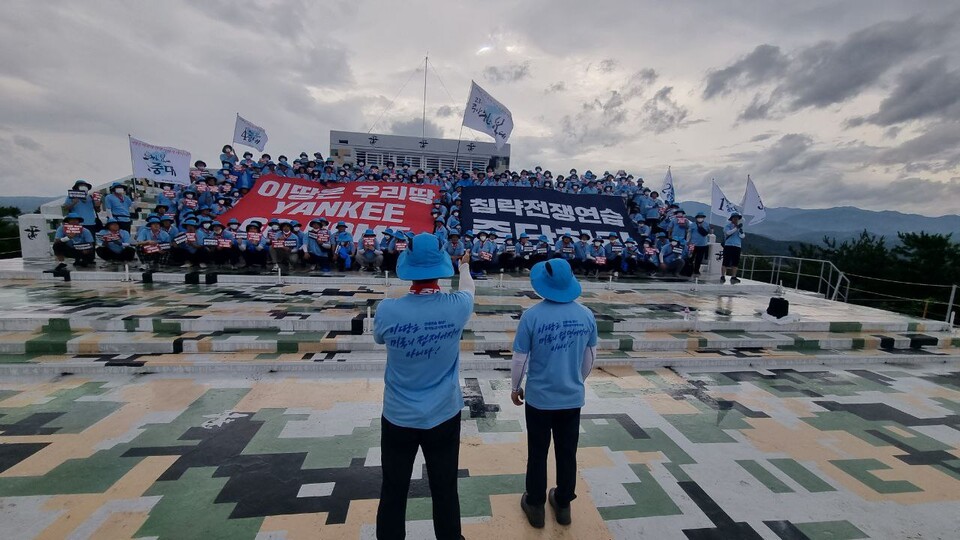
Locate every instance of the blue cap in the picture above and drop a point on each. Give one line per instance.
(205, 219)
(554, 281)
(454, 232)
(630, 240)
(369, 232)
(294, 223)
(216, 224)
(469, 232)
(524, 235)
(153, 219)
(112, 221)
(73, 215)
(661, 235)
(700, 214)
(233, 221)
(399, 235)
(166, 218)
(543, 238)
(274, 221)
(388, 232)
(341, 224)
(191, 222)
(424, 260)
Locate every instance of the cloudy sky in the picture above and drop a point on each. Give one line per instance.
(854, 102)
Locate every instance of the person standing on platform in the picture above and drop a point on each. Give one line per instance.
(83, 203)
(119, 205)
(699, 237)
(733, 242)
(555, 344)
(422, 397)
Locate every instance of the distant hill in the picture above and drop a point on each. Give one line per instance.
(25, 204)
(810, 226)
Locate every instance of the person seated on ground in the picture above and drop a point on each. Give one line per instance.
(85, 204)
(650, 260)
(632, 256)
(596, 258)
(453, 222)
(167, 226)
(672, 258)
(483, 255)
(251, 247)
(114, 245)
(221, 245)
(317, 250)
(397, 246)
(344, 252)
(389, 261)
(73, 240)
(542, 250)
(468, 240)
(190, 244)
(153, 244)
(369, 257)
(733, 241)
(508, 261)
(188, 201)
(614, 252)
(566, 250)
(454, 247)
(660, 240)
(248, 159)
(524, 250)
(220, 207)
(119, 205)
(284, 247)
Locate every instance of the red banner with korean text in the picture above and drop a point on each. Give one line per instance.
(361, 205)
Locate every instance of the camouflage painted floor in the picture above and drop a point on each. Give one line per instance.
(782, 454)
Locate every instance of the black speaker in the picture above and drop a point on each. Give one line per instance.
(210, 278)
(192, 278)
(779, 307)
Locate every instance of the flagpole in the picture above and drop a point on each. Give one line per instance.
(456, 158)
(423, 125)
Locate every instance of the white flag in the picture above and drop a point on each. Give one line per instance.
(159, 163)
(483, 113)
(249, 134)
(752, 205)
(667, 192)
(720, 205)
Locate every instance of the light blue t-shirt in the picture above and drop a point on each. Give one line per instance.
(732, 234)
(555, 336)
(422, 377)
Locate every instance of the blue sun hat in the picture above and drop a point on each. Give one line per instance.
(424, 260)
(554, 281)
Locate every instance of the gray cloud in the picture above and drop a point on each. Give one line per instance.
(556, 87)
(607, 65)
(662, 113)
(26, 142)
(937, 149)
(415, 127)
(508, 73)
(763, 63)
(928, 90)
(825, 73)
(446, 111)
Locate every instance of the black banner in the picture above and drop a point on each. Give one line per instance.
(536, 211)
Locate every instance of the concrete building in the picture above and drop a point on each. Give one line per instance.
(421, 153)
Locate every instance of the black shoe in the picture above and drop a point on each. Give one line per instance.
(563, 514)
(60, 267)
(535, 514)
(734, 281)
(723, 279)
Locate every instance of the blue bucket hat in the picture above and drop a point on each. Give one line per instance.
(369, 232)
(190, 222)
(399, 235)
(554, 281)
(73, 215)
(112, 221)
(424, 260)
(152, 220)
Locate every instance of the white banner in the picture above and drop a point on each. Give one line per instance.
(249, 134)
(483, 113)
(752, 204)
(667, 192)
(159, 163)
(720, 205)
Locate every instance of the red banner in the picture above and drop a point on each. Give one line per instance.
(361, 205)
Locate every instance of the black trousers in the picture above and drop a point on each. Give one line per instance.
(441, 451)
(564, 424)
(699, 254)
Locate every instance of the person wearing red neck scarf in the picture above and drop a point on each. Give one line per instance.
(422, 397)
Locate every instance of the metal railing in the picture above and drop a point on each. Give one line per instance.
(827, 279)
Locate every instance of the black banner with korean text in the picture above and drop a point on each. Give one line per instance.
(536, 211)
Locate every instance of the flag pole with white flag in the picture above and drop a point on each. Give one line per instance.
(249, 134)
(720, 205)
(159, 163)
(483, 113)
(752, 204)
(667, 192)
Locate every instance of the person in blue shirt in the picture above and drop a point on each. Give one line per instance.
(483, 255)
(344, 252)
(454, 247)
(632, 256)
(508, 261)
(251, 248)
(227, 155)
(650, 257)
(222, 246)
(525, 250)
(398, 244)
(680, 226)
(421, 396)
(284, 247)
(317, 249)
(114, 244)
(190, 242)
(555, 344)
(468, 240)
(699, 237)
(167, 196)
(733, 242)
(453, 222)
(440, 230)
(566, 250)
(542, 251)
(672, 257)
(653, 211)
(73, 240)
(119, 205)
(153, 244)
(597, 258)
(614, 252)
(369, 256)
(82, 202)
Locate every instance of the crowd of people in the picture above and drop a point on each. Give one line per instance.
(182, 228)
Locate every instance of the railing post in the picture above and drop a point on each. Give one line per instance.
(820, 281)
(796, 287)
(837, 289)
(953, 296)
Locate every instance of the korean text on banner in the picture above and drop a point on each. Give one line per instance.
(720, 205)
(516, 210)
(361, 205)
(249, 134)
(159, 163)
(483, 113)
(752, 204)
